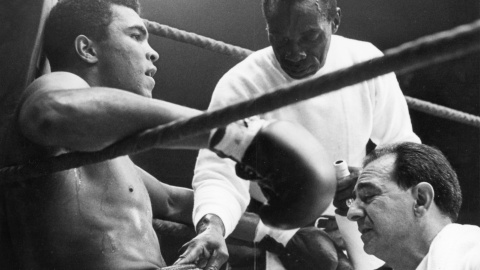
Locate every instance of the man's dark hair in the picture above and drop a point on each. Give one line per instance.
(71, 18)
(328, 7)
(415, 163)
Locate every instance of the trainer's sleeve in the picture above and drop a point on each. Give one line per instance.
(217, 189)
(391, 118)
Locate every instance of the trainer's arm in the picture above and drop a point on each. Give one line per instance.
(61, 110)
(391, 118)
(218, 190)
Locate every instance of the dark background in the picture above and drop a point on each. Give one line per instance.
(187, 75)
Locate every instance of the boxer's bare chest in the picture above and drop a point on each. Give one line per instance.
(104, 209)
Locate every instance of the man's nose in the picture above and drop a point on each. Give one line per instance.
(355, 211)
(295, 54)
(152, 55)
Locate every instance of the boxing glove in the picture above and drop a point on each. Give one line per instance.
(291, 167)
(309, 249)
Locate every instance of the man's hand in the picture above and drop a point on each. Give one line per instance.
(208, 249)
(344, 191)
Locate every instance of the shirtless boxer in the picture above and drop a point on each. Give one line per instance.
(100, 216)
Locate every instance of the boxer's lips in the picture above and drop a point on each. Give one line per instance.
(151, 72)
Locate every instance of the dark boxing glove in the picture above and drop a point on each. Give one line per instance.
(288, 163)
(309, 249)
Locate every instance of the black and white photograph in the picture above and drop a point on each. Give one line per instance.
(240, 134)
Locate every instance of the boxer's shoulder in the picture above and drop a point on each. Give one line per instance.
(56, 81)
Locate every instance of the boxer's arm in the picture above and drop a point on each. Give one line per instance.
(176, 204)
(61, 110)
(170, 203)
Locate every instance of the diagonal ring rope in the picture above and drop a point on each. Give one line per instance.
(241, 53)
(422, 52)
(181, 267)
(196, 40)
(443, 112)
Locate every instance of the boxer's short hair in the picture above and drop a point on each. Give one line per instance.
(71, 18)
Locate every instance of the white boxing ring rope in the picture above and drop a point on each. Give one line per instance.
(422, 52)
(242, 53)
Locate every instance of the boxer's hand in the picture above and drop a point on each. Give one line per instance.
(344, 192)
(289, 164)
(208, 249)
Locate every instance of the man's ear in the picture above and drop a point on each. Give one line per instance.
(423, 194)
(336, 20)
(85, 49)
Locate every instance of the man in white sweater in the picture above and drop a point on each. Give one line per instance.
(303, 45)
(406, 200)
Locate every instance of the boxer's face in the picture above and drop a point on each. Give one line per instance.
(383, 210)
(300, 37)
(125, 57)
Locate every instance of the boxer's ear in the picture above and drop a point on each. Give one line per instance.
(85, 49)
(336, 20)
(423, 194)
